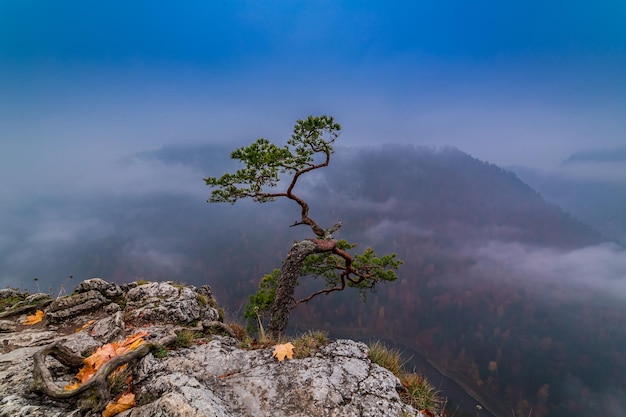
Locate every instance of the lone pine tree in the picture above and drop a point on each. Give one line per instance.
(309, 148)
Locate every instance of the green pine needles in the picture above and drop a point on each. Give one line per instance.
(265, 165)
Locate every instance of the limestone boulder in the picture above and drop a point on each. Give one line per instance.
(75, 305)
(219, 379)
(109, 290)
(165, 302)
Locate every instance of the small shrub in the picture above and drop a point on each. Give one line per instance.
(122, 303)
(307, 343)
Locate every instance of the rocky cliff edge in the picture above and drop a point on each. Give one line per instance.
(190, 364)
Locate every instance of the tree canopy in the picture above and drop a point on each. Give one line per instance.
(265, 165)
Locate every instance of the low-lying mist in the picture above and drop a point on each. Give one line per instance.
(492, 271)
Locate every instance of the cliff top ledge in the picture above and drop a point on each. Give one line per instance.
(180, 359)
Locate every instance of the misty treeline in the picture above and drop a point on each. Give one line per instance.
(546, 343)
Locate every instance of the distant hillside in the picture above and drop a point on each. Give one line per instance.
(504, 291)
(604, 155)
(448, 192)
(600, 202)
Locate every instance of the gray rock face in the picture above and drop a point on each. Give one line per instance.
(107, 289)
(16, 366)
(219, 379)
(109, 328)
(215, 379)
(163, 302)
(7, 326)
(76, 305)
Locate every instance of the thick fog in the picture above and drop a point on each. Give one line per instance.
(599, 269)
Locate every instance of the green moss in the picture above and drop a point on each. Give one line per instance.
(8, 302)
(159, 352)
(146, 398)
(117, 381)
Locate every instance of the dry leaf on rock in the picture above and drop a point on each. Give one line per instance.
(106, 352)
(35, 318)
(84, 326)
(71, 386)
(282, 351)
(123, 403)
(95, 361)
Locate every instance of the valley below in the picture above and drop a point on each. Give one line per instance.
(518, 301)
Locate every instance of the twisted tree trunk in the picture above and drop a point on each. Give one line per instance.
(289, 274)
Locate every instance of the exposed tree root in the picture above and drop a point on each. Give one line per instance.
(98, 384)
(222, 326)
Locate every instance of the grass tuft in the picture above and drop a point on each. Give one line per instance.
(239, 331)
(417, 392)
(390, 359)
(185, 338)
(307, 343)
(421, 395)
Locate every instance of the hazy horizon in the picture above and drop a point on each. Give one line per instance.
(525, 84)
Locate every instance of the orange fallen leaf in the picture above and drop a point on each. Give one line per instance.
(71, 386)
(123, 403)
(35, 318)
(126, 348)
(85, 373)
(95, 361)
(119, 370)
(131, 339)
(84, 326)
(104, 353)
(282, 351)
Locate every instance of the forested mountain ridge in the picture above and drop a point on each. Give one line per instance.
(445, 188)
(500, 288)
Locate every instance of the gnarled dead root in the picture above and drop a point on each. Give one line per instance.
(43, 382)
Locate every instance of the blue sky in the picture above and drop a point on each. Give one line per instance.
(525, 82)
